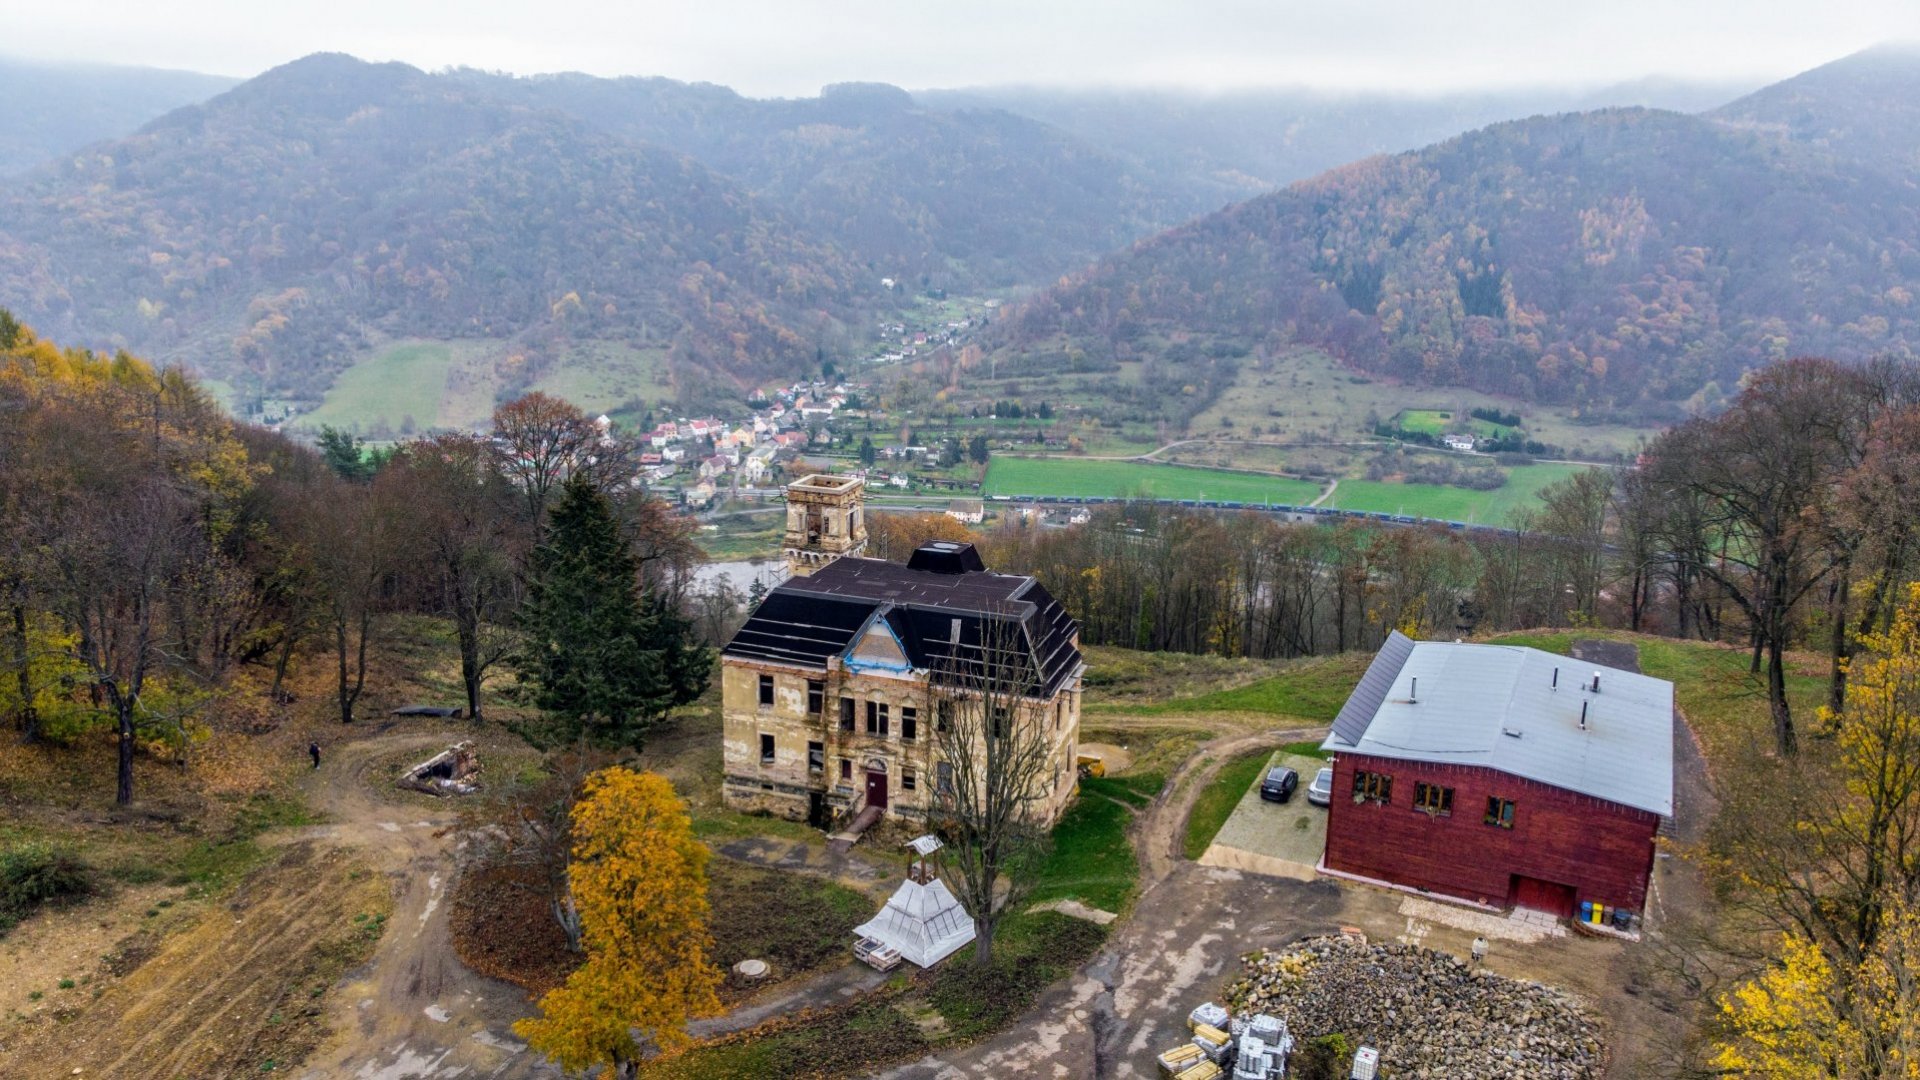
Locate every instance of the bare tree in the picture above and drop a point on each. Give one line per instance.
(995, 768)
(467, 548)
(349, 538)
(544, 440)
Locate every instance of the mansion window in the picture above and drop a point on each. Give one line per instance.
(943, 716)
(1433, 798)
(909, 723)
(1499, 811)
(876, 719)
(766, 749)
(846, 714)
(846, 768)
(816, 758)
(1373, 787)
(816, 697)
(1000, 728)
(766, 691)
(944, 777)
(908, 781)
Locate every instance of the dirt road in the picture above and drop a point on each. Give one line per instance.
(415, 1012)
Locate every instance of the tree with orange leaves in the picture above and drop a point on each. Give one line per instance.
(639, 882)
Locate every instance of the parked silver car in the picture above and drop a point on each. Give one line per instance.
(1320, 792)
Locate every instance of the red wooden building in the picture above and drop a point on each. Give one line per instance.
(1502, 775)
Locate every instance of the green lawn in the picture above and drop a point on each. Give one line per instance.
(1092, 860)
(1216, 801)
(1114, 479)
(1436, 422)
(1496, 507)
(406, 382)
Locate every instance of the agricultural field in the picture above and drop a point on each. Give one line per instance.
(1081, 477)
(409, 386)
(1496, 507)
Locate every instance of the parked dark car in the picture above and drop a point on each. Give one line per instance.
(1279, 784)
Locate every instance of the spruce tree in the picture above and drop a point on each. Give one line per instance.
(606, 660)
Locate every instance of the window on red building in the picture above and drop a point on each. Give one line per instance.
(1433, 799)
(1372, 787)
(1499, 811)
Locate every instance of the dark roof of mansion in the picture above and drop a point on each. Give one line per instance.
(941, 617)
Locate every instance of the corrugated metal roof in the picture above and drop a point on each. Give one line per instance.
(1358, 712)
(1498, 706)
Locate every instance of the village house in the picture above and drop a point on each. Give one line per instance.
(1458, 442)
(833, 692)
(1501, 775)
(967, 511)
(757, 465)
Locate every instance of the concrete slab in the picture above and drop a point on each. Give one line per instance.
(1275, 839)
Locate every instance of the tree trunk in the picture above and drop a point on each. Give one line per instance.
(277, 693)
(983, 942)
(1777, 697)
(1840, 645)
(470, 670)
(340, 653)
(123, 712)
(29, 716)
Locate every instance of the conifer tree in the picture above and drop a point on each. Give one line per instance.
(607, 662)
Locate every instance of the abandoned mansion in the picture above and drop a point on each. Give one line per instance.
(841, 691)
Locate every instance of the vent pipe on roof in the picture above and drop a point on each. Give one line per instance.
(1556, 679)
(1596, 682)
(1583, 715)
(1413, 695)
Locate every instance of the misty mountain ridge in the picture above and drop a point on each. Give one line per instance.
(1632, 262)
(54, 109)
(1626, 259)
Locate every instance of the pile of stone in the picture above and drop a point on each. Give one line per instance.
(1431, 1015)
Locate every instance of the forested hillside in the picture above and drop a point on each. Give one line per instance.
(266, 235)
(55, 109)
(1629, 260)
(1865, 108)
(947, 199)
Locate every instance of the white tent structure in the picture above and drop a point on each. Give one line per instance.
(922, 920)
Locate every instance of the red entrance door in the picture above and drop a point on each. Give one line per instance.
(1536, 895)
(876, 789)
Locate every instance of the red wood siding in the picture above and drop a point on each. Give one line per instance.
(1602, 849)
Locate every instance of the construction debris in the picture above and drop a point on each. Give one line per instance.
(453, 771)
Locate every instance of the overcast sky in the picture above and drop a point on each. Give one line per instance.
(792, 47)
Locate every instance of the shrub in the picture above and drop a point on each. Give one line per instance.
(33, 875)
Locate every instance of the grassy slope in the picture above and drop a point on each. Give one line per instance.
(1312, 691)
(404, 380)
(1071, 476)
(1494, 507)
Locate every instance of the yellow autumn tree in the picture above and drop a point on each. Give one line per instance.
(639, 881)
(1842, 997)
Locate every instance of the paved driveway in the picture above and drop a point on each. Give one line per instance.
(1276, 839)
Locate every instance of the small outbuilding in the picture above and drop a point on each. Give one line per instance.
(923, 921)
(1501, 775)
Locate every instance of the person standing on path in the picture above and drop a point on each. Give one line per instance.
(313, 751)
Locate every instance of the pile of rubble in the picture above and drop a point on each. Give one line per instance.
(1430, 1014)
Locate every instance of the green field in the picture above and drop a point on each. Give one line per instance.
(1495, 507)
(1437, 422)
(404, 382)
(1119, 479)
